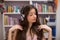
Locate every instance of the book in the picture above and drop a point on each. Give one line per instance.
(50, 9)
(10, 20)
(39, 8)
(9, 8)
(5, 20)
(44, 8)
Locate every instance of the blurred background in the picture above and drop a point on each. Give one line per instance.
(48, 11)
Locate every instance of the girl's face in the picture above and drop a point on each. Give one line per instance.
(32, 16)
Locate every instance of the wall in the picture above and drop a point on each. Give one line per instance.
(58, 22)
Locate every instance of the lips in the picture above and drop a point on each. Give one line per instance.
(34, 19)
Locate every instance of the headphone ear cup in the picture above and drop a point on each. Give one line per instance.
(22, 13)
(22, 17)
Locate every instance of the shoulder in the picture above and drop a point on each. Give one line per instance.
(15, 27)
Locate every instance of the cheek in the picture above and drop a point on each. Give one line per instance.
(29, 18)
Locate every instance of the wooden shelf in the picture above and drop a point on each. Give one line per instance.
(14, 15)
(11, 13)
(8, 25)
(16, 0)
(42, 0)
(46, 13)
(38, 13)
(28, 0)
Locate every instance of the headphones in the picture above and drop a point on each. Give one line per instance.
(22, 14)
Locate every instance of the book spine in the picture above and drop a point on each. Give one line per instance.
(39, 8)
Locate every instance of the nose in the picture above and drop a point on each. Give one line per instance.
(34, 16)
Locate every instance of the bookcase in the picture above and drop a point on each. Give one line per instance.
(46, 11)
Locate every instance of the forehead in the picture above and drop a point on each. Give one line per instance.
(32, 11)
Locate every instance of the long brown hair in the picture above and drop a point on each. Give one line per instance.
(21, 35)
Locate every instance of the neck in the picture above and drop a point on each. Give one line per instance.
(30, 24)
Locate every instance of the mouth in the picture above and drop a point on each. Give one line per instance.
(34, 19)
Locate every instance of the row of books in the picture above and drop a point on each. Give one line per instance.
(48, 19)
(9, 8)
(10, 20)
(40, 7)
(44, 7)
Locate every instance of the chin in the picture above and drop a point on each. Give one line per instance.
(34, 21)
